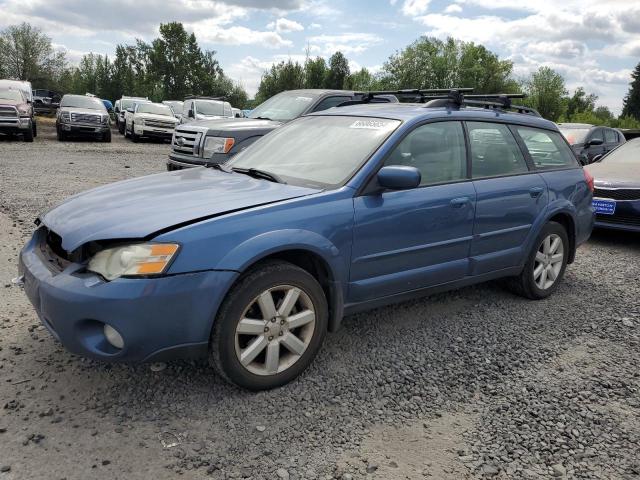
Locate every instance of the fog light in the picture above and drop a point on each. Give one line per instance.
(113, 337)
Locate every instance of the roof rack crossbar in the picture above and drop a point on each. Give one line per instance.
(489, 100)
(420, 93)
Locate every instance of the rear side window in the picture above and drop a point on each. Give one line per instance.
(597, 135)
(610, 136)
(436, 149)
(547, 149)
(330, 102)
(494, 151)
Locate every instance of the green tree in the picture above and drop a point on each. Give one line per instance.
(433, 63)
(545, 91)
(27, 54)
(283, 76)
(631, 103)
(338, 71)
(315, 71)
(580, 102)
(362, 80)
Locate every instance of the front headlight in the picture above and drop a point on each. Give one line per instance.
(23, 110)
(65, 117)
(217, 145)
(105, 119)
(133, 260)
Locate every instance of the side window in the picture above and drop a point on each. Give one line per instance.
(436, 149)
(330, 102)
(597, 135)
(185, 109)
(547, 149)
(227, 110)
(494, 151)
(610, 136)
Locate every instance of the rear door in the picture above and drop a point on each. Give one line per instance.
(510, 196)
(410, 239)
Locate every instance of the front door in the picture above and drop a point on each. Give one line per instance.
(412, 239)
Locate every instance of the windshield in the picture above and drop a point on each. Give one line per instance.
(322, 151)
(11, 94)
(176, 106)
(130, 102)
(155, 109)
(627, 153)
(574, 135)
(80, 101)
(285, 106)
(209, 107)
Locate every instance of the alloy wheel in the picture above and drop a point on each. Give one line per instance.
(275, 330)
(548, 262)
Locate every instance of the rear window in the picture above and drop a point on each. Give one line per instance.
(610, 136)
(547, 149)
(575, 136)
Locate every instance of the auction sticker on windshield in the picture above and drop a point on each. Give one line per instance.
(604, 207)
(369, 124)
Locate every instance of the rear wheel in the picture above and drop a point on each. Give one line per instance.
(546, 265)
(270, 327)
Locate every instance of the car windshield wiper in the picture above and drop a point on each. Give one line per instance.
(262, 118)
(219, 166)
(256, 173)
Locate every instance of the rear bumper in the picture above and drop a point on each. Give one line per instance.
(159, 318)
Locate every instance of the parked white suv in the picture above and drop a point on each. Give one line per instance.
(205, 108)
(150, 120)
(122, 106)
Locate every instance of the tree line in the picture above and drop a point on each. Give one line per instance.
(433, 63)
(173, 66)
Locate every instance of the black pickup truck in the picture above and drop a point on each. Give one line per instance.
(216, 141)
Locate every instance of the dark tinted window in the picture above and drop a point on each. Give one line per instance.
(436, 149)
(597, 135)
(494, 151)
(610, 136)
(330, 102)
(547, 149)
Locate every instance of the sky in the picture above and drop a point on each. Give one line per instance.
(592, 43)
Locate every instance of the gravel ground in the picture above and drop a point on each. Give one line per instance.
(475, 383)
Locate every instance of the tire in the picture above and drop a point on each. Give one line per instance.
(121, 129)
(135, 138)
(106, 136)
(35, 130)
(277, 280)
(27, 136)
(529, 283)
(61, 135)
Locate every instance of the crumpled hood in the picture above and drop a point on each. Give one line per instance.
(614, 175)
(140, 207)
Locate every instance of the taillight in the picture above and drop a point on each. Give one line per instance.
(589, 179)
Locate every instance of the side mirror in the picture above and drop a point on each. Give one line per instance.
(593, 142)
(396, 177)
(191, 114)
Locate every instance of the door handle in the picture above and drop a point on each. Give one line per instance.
(535, 192)
(459, 202)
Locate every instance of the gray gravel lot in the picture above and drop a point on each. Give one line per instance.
(476, 383)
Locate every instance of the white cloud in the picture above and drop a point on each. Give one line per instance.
(315, 26)
(238, 35)
(415, 7)
(284, 25)
(453, 8)
(347, 43)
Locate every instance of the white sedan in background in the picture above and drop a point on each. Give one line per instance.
(150, 120)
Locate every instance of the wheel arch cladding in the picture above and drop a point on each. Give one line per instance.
(566, 220)
(308, 250)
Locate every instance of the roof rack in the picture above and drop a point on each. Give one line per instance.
(493, 101)
(202, 97)
(391, 96)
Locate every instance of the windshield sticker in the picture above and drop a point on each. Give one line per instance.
(369, 124)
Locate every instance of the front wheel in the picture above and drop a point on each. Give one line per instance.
(270, 327)
(546, 265)
(106, 136)
(27, 136)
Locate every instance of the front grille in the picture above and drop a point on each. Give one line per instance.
(619, 219)
(186, 142)
(51, 252)
(617, 193)
(159, 124)
(85, 118)
(8, 113)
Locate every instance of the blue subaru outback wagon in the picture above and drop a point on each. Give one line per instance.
(252, 262)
